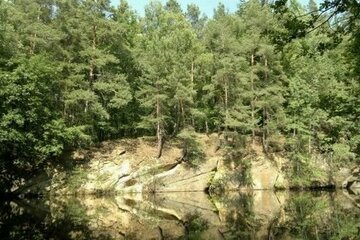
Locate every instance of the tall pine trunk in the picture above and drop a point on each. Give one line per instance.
(192, 88)
(252, 99)
(309, 140)
(91, 67)
(207, 127)
(159, 129)
(33, 42)
(265, 115)
(264, 130)
(182, 113)
(226, 90)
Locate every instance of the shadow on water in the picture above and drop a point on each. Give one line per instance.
(33, 219)
(235, 215)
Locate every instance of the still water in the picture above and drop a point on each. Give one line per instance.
(190, 215)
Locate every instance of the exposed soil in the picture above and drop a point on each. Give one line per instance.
(144, 150)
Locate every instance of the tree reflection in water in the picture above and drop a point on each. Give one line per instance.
(248, 215)
(318, 215)
(33, 219)
(241, 222)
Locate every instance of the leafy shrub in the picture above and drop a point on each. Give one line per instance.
(304, 173)
(193, 154)
(195, 225)
(237, 155)
(342, 153)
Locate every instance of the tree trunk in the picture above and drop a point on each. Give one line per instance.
(182, 113)
(192, 74)
(309, 143)
(253, 99)
(264, 130)
(266, 69)
(92, 67)
(192, 88)
(178, 120)
(226, 102)
(265, 116)
(33, 42)
(159, 130)
(206, 127)
(86, 106)
(294, 132)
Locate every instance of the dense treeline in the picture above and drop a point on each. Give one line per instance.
(75, 72)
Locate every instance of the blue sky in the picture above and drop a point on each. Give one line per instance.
(206, 6)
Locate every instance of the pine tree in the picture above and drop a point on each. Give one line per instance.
(266, 75)
(173, 6)
(7, 36)
(93, 87)
(197, 21)
(220, 39)
(165, 54)
(220, 11)
(312, 7)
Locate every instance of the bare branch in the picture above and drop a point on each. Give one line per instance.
(321, 24)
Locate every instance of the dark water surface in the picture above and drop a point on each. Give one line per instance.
(245, 215)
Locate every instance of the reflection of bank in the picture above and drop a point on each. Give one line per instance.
(353, 195)
(34, 219)
(184, 215)
(318, 215)
(153, 216)
(172, 215)
(248, 214)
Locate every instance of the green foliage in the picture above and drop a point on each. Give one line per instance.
(216, 186)
(310, 217)
(342, 153)
(305, 212)
(73, 73)
(194, 226)
(241, 220)
(192, 150)
(241, 175)
(238, 158)
(75, 178)
(304, 173)
(28, 109)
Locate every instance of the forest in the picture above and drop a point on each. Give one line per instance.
(77, 72)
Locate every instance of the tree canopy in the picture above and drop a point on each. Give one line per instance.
(76, 72)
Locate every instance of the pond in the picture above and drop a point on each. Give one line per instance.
(185, 215)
